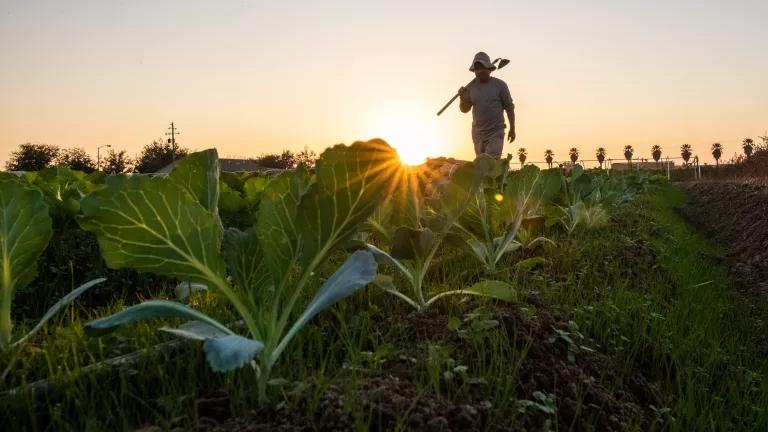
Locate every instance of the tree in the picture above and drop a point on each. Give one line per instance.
(157, 155)
(748, 145)
(717, 151)
(548, 156)
(77, 159)
(116, 162)
(628, 152)
(32, 157)
(685, 152)
(522, 155)
(656, 153)
(765, 142)
(574, 154)
(307, 157)
(600, 156)
(284, 160)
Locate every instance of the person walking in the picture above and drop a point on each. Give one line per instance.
(488, 98)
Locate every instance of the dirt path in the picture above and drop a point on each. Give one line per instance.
(735, 216)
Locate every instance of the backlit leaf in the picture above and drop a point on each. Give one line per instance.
(244, 258)
(25, 229)
(153, 225)
(198, 174)
(350, 183)
(276, 226)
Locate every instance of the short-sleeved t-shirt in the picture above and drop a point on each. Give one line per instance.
(489, 100)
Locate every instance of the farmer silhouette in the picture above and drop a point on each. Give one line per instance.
(488, 97)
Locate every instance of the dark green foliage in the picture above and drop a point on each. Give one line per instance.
(157, 155)
(288, 159)
(76, 159)
(32, 157)
(116, 162)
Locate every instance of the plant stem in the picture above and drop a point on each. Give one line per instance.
(405, 298)
(6, 325)
(418, 282)
(265, 371)
(245, 312)
(447, 293)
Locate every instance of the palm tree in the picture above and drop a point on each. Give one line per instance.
(522, 154)
(748, 146)
(717, 151)
(685, 152)
(656, 153)
(574, 154)
(548, 155)
(600, 156)
(628, 151)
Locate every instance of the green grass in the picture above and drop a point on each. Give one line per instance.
(646, 291)
(677, 319)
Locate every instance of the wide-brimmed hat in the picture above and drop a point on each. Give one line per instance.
(484, 60)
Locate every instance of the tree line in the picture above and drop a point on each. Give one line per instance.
(153, 157)
(748, 145)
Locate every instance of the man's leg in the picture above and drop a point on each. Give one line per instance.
(479, 148)
(494, 145)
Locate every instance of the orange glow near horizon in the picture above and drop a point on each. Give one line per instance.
(587, 75)
(411, 130)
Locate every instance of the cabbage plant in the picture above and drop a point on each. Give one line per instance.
(170, 226)
(494, 216)
(25, 229)
(62, 189)
(584, 197)
(413, 249)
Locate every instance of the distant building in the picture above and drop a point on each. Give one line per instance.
(226, 165)
(662, 164)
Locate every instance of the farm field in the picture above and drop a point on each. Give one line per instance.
(365, 295)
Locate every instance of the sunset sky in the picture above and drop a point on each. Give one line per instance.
(250, 77)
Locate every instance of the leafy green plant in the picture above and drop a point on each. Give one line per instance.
(63, 188)
(413, 250)
(581, 201)
(543, 402)
(495, 218)
(585, 215)
(170, 226)
(25, 229)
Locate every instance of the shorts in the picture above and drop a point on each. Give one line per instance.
(490, 144)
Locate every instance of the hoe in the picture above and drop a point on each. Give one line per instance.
(502, 62)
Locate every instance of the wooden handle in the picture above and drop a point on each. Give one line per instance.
(453, 99)
(448, 104)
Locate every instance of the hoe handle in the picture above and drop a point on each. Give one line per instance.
(501, 65)
(452, 99)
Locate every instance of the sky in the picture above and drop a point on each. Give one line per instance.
(251, 77)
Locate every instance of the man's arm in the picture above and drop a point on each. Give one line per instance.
(509, 107)
(511, 116)
(465, 104)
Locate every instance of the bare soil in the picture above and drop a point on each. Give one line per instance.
(585, 388)
(735, 216)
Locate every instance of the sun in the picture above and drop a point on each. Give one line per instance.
(414, 133)
(414, 144)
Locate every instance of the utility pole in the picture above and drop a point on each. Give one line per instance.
(172, 140)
